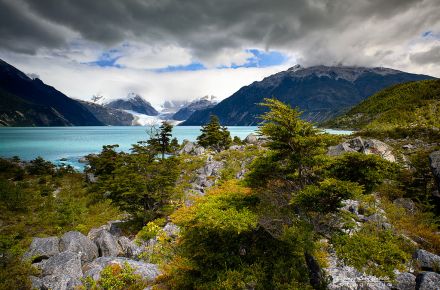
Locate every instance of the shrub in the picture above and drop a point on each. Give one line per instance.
(373, 250)
(327, 196)
(367, 170)
(116, 277)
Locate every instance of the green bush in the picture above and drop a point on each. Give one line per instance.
(327, 196)
(367, 170)
(116, 277)
(374, 250)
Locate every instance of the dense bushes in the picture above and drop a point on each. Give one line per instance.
(223, 247)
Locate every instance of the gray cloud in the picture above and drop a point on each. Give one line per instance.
(320, 31)
(431, 56)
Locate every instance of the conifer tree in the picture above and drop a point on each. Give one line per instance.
(214, 135)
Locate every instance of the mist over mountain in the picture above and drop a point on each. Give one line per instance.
(187, 110)
(321, 92)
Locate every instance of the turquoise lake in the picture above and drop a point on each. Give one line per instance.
(71, 143)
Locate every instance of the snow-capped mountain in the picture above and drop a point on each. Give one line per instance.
(187, 110)
(133, 102)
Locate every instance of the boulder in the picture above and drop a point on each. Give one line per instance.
(251, 139)
(93, 233)
(146, 270)
(213, 168)
(406, 203)
(199, 150)
(60, 282)
(428, 281)
(339, 149)
(373, 146)
(405, 281)
(107, 244)
(78, 243)
(434, 163)
(42, 248)
(171, 230)
(65, 263)
(114, 227)
(128, 247)
(191, 148)
(427, 261)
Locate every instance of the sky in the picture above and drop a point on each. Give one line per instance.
(185, 49)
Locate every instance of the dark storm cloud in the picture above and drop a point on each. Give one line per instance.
(432, 56)
(314, 27)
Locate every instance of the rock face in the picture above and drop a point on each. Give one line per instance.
(42, 248)
(128, 247)
(191, 148)
(107, 244)
(78, 243)
(428, 281)
(65, 263)
(427, 261)
(434, 163)
(368, 146)
(405, 281)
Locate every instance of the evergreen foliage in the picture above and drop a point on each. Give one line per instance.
(294, 141)
(214, 135)
(402, 110)
(161, 139)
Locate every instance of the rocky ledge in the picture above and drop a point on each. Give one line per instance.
(64, 261)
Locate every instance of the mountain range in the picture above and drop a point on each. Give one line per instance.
(320, 92)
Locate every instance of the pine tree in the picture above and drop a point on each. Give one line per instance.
(161, 139)
(214, 135)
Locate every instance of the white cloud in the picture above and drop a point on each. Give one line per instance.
(82, 81)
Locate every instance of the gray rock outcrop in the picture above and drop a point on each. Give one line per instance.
(128, 247)
(65, 263)
(367, 146)
(191, 148)
(427, 261)
(405, 281)
(79, 243)
(107, 244)
(42, 248)
(428, 281)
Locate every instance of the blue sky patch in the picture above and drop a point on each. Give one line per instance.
(261, 58)
(190, 67)
(108, 59)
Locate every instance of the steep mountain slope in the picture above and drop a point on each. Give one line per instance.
(414, 104)
(135, 103)
(199, 104)
(28, 102)
(321, 92)
(109, 116)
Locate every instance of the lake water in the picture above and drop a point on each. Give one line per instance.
(71, 143)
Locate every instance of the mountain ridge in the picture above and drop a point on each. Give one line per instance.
(321, 92)
(31, 102)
